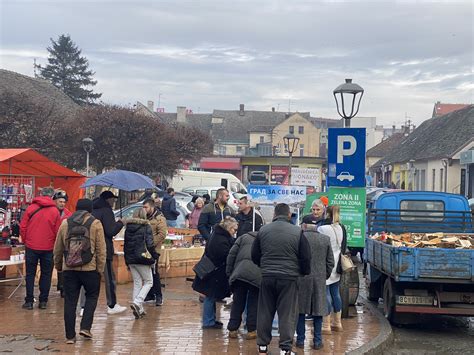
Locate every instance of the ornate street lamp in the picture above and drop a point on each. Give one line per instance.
(291, 142)
(348, 97)
(87, 145)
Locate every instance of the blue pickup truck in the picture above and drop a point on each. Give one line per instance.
(415, 280)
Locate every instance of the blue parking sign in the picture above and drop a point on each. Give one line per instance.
(346, 157)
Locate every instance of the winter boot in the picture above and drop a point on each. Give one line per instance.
(326, 329)
(336, 323)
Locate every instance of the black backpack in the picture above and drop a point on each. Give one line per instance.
(77, 250)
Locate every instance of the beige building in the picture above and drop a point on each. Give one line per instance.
(302, 128)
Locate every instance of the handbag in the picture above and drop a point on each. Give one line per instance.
(346, 262)
(204, 267)
(145, 256)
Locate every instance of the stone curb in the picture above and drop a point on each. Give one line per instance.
(382, 341)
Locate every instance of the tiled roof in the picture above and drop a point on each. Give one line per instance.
(386, 146)
(236, 124)
(38, 90)
(201, 121)
(436, 138)
(443, 109)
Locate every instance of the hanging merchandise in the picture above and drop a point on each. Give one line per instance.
(28, 193)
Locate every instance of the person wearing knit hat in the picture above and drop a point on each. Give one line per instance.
(81, 269)
(324, 200)
(84, 204)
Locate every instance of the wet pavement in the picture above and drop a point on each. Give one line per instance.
(434, 335)
(174, 328)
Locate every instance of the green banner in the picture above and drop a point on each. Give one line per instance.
(351, 200)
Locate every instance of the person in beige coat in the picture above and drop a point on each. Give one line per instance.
(81, 269)
(159, 229)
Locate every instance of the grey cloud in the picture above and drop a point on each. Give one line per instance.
(214, 54)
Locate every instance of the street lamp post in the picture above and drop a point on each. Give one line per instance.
(348, 97)
(87, 144)
(291, 142)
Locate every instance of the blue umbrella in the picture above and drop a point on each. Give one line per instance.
(122, 180)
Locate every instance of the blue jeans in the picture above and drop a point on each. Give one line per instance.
(301, 329)
(334, 297)
(45, 259)
(209, 312)
(171, 223)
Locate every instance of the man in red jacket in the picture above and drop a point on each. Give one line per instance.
(38, 228)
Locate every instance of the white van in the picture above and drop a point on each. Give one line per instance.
(187, 178)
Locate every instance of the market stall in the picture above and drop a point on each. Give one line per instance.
(177, 256)
(23, 172)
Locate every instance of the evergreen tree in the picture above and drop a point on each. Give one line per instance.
(68, 71)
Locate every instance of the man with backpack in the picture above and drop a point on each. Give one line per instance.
(80, 253)
(38, 229)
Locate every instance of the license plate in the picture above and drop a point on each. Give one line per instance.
(420, 300)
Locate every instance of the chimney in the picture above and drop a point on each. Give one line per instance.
(241, 112)
(406, 130)
(273, 109)
(393, 129)
(151, 105)
(181, 114)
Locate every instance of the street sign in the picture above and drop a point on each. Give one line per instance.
(346, 157)
(351, 202)
(306, 177)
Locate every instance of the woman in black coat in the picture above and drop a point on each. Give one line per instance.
(216, 285)
(140, 254)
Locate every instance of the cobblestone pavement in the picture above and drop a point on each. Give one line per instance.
(174, 328)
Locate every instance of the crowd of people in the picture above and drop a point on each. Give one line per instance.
(277, 268)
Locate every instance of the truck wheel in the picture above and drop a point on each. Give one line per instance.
(389, 299)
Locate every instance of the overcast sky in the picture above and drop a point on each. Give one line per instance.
(217, 54)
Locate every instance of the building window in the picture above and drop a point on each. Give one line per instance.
(301, 150)
(301, 129)
(433, 187)
(262, 139)
(222, 150)
(239, 149)
(292, 129)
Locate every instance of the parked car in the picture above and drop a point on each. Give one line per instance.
(127, 212)
(212, 191)
(182, 198)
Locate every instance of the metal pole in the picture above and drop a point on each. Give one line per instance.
(289, 173)
(87, 172)
(347, 122)
(87, 164)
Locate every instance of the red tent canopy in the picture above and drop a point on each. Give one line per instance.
(28, 162)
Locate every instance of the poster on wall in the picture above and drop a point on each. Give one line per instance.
(279, 175)
(306, 177)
